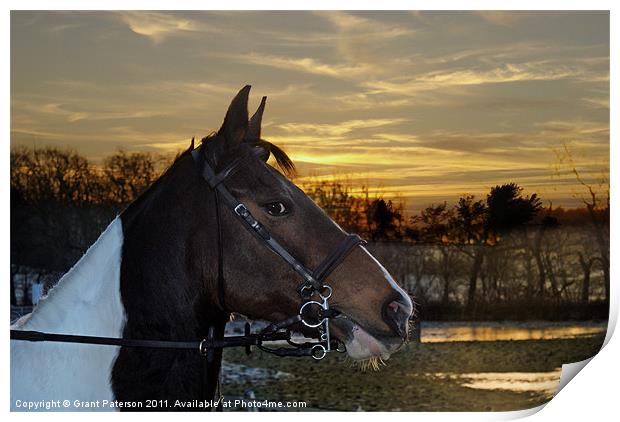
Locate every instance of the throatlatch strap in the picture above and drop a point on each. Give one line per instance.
(221, 281)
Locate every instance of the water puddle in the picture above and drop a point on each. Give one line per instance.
(441, 332)
(437, 332)
(545, 383)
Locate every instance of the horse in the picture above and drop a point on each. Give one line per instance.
(176, 263)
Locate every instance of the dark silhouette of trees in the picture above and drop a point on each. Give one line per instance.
(127, 175)
(59, 198)
(548, 222)
(52, 194)
(338, 201)
(470, 231)
(436, 223)
(595, 197)
(586, 266)
(468, 221)
(481, 224)
(50, 175)
(466, 259)
(507, 209)
(376, 218)
(384, 219)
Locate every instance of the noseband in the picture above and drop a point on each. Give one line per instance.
(314, 291)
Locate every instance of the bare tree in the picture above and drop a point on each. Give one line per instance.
(595, 197)
(127, 175)
(336, 198)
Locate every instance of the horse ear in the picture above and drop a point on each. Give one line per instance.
(235, 124)
(254, 126)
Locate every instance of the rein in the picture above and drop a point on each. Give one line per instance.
(314, 292)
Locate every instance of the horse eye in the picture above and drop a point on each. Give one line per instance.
(276, 208)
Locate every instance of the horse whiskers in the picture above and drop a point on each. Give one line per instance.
(411, 327)
(373, 363)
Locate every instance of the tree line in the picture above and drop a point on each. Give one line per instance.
(470, 259)
(501, 256)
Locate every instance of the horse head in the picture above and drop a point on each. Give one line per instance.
(372, 310)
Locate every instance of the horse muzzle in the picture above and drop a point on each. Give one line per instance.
(362, 343)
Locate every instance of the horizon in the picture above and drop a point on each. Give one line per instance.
(427, 106)
(162, 162)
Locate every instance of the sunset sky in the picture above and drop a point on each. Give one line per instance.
(424, 105)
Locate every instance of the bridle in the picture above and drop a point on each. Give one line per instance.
(313, 286)
(313, 290)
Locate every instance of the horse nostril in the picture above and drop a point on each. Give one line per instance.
(394, 306)
(396, 315)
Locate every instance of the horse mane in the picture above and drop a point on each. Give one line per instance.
(283, 161)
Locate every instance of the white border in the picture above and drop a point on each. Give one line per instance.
(592, 395)
(312, 5)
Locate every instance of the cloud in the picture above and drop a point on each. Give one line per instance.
(65, 27)
(398, 137)
(294, 39)
(365, 27)
(525, 146)
(158, 26)
(154, 140)
(359, 100)
(578, 129)
(431, 106)
(502, 18)
(303, 64)
(46, 135)
(362, 39)
(596, 102)
(337, 129)
(64, 110)
(452, 156)
(497, 53)
(441, 79)
(365, 45)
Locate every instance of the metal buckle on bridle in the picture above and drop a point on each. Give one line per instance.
(202, 347)
(241, 210)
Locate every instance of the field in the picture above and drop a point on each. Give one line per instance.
(449, 376)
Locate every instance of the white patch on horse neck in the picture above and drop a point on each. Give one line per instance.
(391, 280)
(86, 301)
